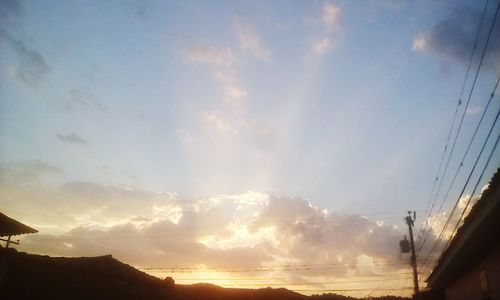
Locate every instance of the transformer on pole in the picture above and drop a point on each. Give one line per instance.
(409, 246)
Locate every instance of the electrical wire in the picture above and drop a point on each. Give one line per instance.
(463, 189)
(472, 88)
(428, 213)
(463, 159)
(459, 103)
(471, 195)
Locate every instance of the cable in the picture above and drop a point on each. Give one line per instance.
(317, 283)
(247, 270)
(463, 159)
(428, 213)
(353, 290)
(488, 161)
(271, 266)
(465, 185)
(471, 91)
(473, 192)
(378, 287)
(291, 283)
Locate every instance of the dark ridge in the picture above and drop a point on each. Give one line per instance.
(28, 276)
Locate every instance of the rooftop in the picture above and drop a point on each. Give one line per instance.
(473, 238)
(9, 226)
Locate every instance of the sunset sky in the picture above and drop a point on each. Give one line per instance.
(243, 143)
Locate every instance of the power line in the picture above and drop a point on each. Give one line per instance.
(353, 290)
(244, 270)
(464, 187)
(468, 147)
(316, 283)
(463, 158)
(471, 91)
(473, 191)
(428, 213)
(273, 266)
(459, 103)
(378, 288)
(291, 283)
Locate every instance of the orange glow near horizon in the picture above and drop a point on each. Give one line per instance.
(396, 283)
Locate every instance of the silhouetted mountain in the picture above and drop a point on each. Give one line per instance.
(28, 276)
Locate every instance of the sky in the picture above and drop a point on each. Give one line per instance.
(241, 135)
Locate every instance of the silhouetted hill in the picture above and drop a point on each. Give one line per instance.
(28, 276)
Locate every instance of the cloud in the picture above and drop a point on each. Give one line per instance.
(218, 123)
(185, 137)
(10, 11)
(419, 43)
(141, 10)
(262, 134)
(71, 138)
(26, 171)
(221, 61)
(474, 110)
(331, 15)
(434, 225)
(322, 46)
(253, 228)
(86, 99)
(31, 68)
(250, 40)
(234, 235)
(235, 94)
(330, 23)
(209, 55)
(453, 37)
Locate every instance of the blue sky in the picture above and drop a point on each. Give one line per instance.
(346, 104)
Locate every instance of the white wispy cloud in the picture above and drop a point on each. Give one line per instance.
(322, 46)
(235, 94)
(217, 122)
(250, 40)
(420, 43)
(474, 110)
(209, 55)
(331, 15)
(330, 23)
(222, 63)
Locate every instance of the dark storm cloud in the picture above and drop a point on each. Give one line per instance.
(454, 36)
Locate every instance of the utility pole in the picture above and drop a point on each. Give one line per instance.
(410, 222)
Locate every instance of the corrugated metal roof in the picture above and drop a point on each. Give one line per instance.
(9, 226)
